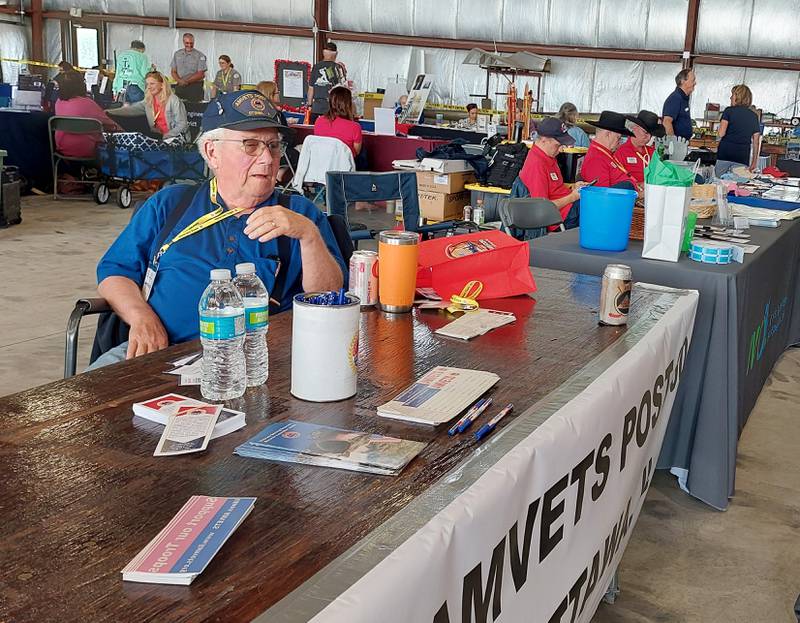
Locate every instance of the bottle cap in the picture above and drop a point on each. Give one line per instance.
(220, 274)
(245, 268)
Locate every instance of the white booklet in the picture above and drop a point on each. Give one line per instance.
(439, 395)
(159, 409)
(474, 323)
(188, 430)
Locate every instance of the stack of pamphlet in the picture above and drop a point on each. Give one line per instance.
(159, 410)
(189, 369)
(183, 549)
(314, 444)
(439, 395)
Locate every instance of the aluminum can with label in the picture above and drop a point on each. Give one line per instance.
(478, 215)
(467, 212)
(615, 295)
(364, 277)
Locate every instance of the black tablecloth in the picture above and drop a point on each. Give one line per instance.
(747, 316)
(24, 136)
(448, 134)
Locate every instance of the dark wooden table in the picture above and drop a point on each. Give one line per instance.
(82, 494)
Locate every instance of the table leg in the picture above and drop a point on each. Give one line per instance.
(613, 589)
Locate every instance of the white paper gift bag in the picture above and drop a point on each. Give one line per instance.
(665, 209)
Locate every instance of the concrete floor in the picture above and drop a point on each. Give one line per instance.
(685, 562)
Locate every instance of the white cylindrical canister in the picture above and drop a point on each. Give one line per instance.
(324, 348)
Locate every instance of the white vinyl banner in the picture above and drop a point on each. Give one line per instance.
(538, 536)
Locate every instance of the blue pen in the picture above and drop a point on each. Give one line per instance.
(491, 424)
(475, 415)
(471, 410)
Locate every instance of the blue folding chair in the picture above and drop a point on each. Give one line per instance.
(346, 187)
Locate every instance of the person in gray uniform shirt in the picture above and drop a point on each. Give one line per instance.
(189, 71)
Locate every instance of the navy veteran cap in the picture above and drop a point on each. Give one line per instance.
(241, 110)
(555, 128)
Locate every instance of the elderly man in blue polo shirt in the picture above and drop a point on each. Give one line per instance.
(677, 118)
(293, 248)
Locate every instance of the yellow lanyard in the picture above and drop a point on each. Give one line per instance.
(225, 77)
(468, 299)
(202, 222)
(645, 159)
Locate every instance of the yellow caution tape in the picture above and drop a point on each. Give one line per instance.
(26, 61)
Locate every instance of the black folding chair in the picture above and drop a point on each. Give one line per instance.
(528, 217)
(73, 125)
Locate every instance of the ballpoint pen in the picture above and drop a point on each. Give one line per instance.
(491, 424)
(474, 416)
(454, 429)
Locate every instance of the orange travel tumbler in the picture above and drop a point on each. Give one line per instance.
(397, 269)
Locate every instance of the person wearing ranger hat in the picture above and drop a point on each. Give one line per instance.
(600, 165)
(541, 175)
(635, 153)
(236, 217)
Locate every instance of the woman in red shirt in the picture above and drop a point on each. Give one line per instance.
(339, 122)
(73, 102)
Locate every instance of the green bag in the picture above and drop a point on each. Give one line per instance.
(665, 173)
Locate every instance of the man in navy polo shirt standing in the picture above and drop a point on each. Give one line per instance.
(292, 247)
(677, 118)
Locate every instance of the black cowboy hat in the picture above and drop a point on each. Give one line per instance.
(613, 122)
(648, 121)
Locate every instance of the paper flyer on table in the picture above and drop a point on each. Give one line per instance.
(188, 430)
(475, 323)
(185, 546)
(439, 395)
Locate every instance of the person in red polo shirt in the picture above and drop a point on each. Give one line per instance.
(635, 153)
(600, 163)
(541, 174)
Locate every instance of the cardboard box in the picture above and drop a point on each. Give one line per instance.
(448, 183)
(443, 206)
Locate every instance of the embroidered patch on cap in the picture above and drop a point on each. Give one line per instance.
(252, 105)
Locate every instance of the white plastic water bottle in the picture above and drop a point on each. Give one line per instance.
(222, 335)
(256, 322)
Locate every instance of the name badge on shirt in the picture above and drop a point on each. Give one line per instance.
(553, 176)
(631, 160)
(149, 280)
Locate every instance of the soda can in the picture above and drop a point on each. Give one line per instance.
(467, 212)
(615, 295)
(364, 277)
(478, 215)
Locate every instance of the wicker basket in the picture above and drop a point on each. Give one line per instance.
(637, 222)
(704, 191)
(703, 208)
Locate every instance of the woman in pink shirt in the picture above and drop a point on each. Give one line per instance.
(73, 102)
(339, 122)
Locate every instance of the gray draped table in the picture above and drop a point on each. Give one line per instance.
(747, 316)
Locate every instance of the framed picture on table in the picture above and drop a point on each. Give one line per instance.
(292, 80)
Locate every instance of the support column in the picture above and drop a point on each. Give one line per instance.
(322, 22)
(692, 16)
(37, 36)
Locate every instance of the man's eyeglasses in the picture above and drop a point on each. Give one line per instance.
(254, 147)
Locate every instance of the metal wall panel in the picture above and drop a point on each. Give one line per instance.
(119, 37)
(622, 23)
(478, 19)
(666, 24)
(356, 57)
(301, 49)
(156, 8)
(525, 21)
(468, 80)
(192, 9)
(617, 86)
(162, 42)
(13, 44)
(52, 40)
(658, 81)
(575, 24)
(352, 15)
(387, 63)
(774, 28)
(435, 18)
(724, 26)
(570, 80)
(440, 63)
(714, 85)
(393, 16)
(773, 91)
(90, 6)
(241, 11)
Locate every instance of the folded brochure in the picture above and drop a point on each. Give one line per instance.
(439, 395)
(185, 546)
(315, 444)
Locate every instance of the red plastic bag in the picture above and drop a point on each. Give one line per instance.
(497, 260)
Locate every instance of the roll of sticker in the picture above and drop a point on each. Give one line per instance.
(711, 252)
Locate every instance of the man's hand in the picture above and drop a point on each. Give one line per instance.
(147, 335)
(576, 190)
(270, 222)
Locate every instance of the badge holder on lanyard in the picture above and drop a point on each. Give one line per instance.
(199, 224)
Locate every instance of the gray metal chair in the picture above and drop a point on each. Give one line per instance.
(73, 125)
(83, 307)
(528, 217)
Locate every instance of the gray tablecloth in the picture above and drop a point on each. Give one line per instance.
(747, 316)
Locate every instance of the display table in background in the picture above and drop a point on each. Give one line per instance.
(23, 135)
(382, 149)
(747, 316)
(84, 494)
